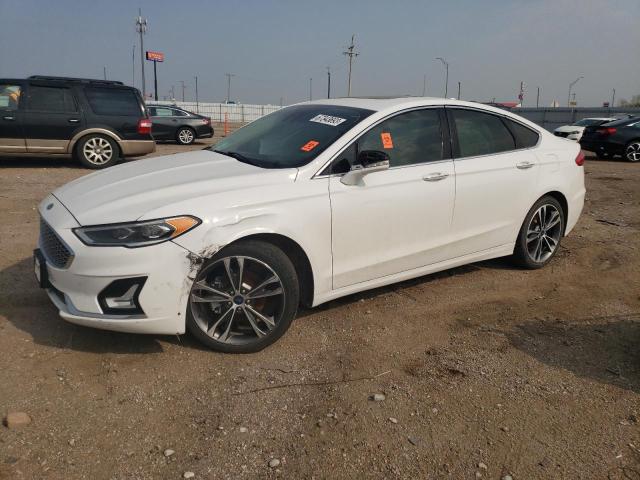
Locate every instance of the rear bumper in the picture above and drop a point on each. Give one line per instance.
(601, 147)
(132, 148)
(204, 132)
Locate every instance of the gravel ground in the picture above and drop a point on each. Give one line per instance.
(485, 371)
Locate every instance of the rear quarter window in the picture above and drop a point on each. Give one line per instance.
(525, 136)
(113, 101)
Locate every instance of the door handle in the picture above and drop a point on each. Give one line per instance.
(10, 118)
(73, 120)
(435, 177)
(524, 165)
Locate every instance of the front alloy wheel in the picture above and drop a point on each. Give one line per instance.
(243, 300)
(632, 152)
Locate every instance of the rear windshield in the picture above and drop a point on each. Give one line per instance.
(623, 122)
(292, 136)
(587, 122)
(113, 101)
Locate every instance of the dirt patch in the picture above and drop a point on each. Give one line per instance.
(532, 373)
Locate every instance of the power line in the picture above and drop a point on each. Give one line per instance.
(350, 53)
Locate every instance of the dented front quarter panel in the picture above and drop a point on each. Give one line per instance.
(298, 210)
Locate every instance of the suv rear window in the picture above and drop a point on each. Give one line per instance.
(113, 101)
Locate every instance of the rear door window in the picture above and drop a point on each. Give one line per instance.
(9, 96)
(113, 101)
(481, 133)
(161, 112)
(50, 99)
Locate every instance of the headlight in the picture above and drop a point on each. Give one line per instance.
(136, 234)
(574, 133)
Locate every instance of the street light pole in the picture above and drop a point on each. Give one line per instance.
(459, 90)
(446, 81)
(613, 98)
(328, 82)
(229, 75)
(141, 28)
(197, 104)
(570, 87)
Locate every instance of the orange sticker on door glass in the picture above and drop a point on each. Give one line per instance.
(310, 145)
(387, 141)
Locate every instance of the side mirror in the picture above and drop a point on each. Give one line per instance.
(369, 161)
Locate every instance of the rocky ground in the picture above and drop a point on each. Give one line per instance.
(485, 371)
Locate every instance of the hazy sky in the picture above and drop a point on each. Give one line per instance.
(274, 47)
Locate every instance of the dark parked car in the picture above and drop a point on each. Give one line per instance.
(95, 121)
(620, 137)
(173, 123)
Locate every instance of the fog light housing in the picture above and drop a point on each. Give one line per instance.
(120, 297)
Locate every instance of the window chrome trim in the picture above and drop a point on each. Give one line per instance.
(391, 115)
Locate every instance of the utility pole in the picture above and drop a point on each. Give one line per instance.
(141, 28)
(350, 53)
(133, 66)
(613, 98)
(173, 93)
(538, 98)
(446, 78)
(424, 85)
(104, 72)
(197, 104)
(458, 90)
(310, 89)
(570, 87)
(328, 82)
(281, 101)
(229, 75)
(183, 88)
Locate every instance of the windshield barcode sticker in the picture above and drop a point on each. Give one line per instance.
(328, 120)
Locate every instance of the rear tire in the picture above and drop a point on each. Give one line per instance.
(244, 298)
(185, 136)
(540, 234)
(97, 151)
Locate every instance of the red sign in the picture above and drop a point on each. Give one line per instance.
(155, 56)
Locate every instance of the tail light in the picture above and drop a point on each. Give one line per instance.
(606, 131)
(206, 121)
(580, 159)
(144, 126)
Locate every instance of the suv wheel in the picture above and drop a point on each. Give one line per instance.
(244, 298)
(97, 151)
(540, 234)
(185, 136)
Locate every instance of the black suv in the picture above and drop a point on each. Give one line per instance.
(95, 121)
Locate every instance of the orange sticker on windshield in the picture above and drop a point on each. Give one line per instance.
(310, 145)
(387, 142)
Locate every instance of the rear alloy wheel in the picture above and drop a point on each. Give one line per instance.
(185, 136)
(97, 151)
(632, 152)
(540, 234)
(244, 298)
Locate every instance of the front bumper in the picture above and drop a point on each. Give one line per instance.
(74, 289)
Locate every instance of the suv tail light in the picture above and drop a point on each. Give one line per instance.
(606, 131)
(580, 159)
(144, 126)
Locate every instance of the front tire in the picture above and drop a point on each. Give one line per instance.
(97, 151)
(244, 298)
(632, 151)
(540, 234)
(185, 136)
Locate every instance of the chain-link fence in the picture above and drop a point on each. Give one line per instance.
(234, 113)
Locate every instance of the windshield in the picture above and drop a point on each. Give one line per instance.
(290, 137)
(587, 122)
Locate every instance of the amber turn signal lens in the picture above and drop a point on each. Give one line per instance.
(181, 224)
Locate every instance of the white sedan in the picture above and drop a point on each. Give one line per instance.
(313, 202)
(575, 130)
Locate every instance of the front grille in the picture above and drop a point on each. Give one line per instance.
(55, 251)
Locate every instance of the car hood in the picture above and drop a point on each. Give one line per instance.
(569, 128)
(127, 191)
